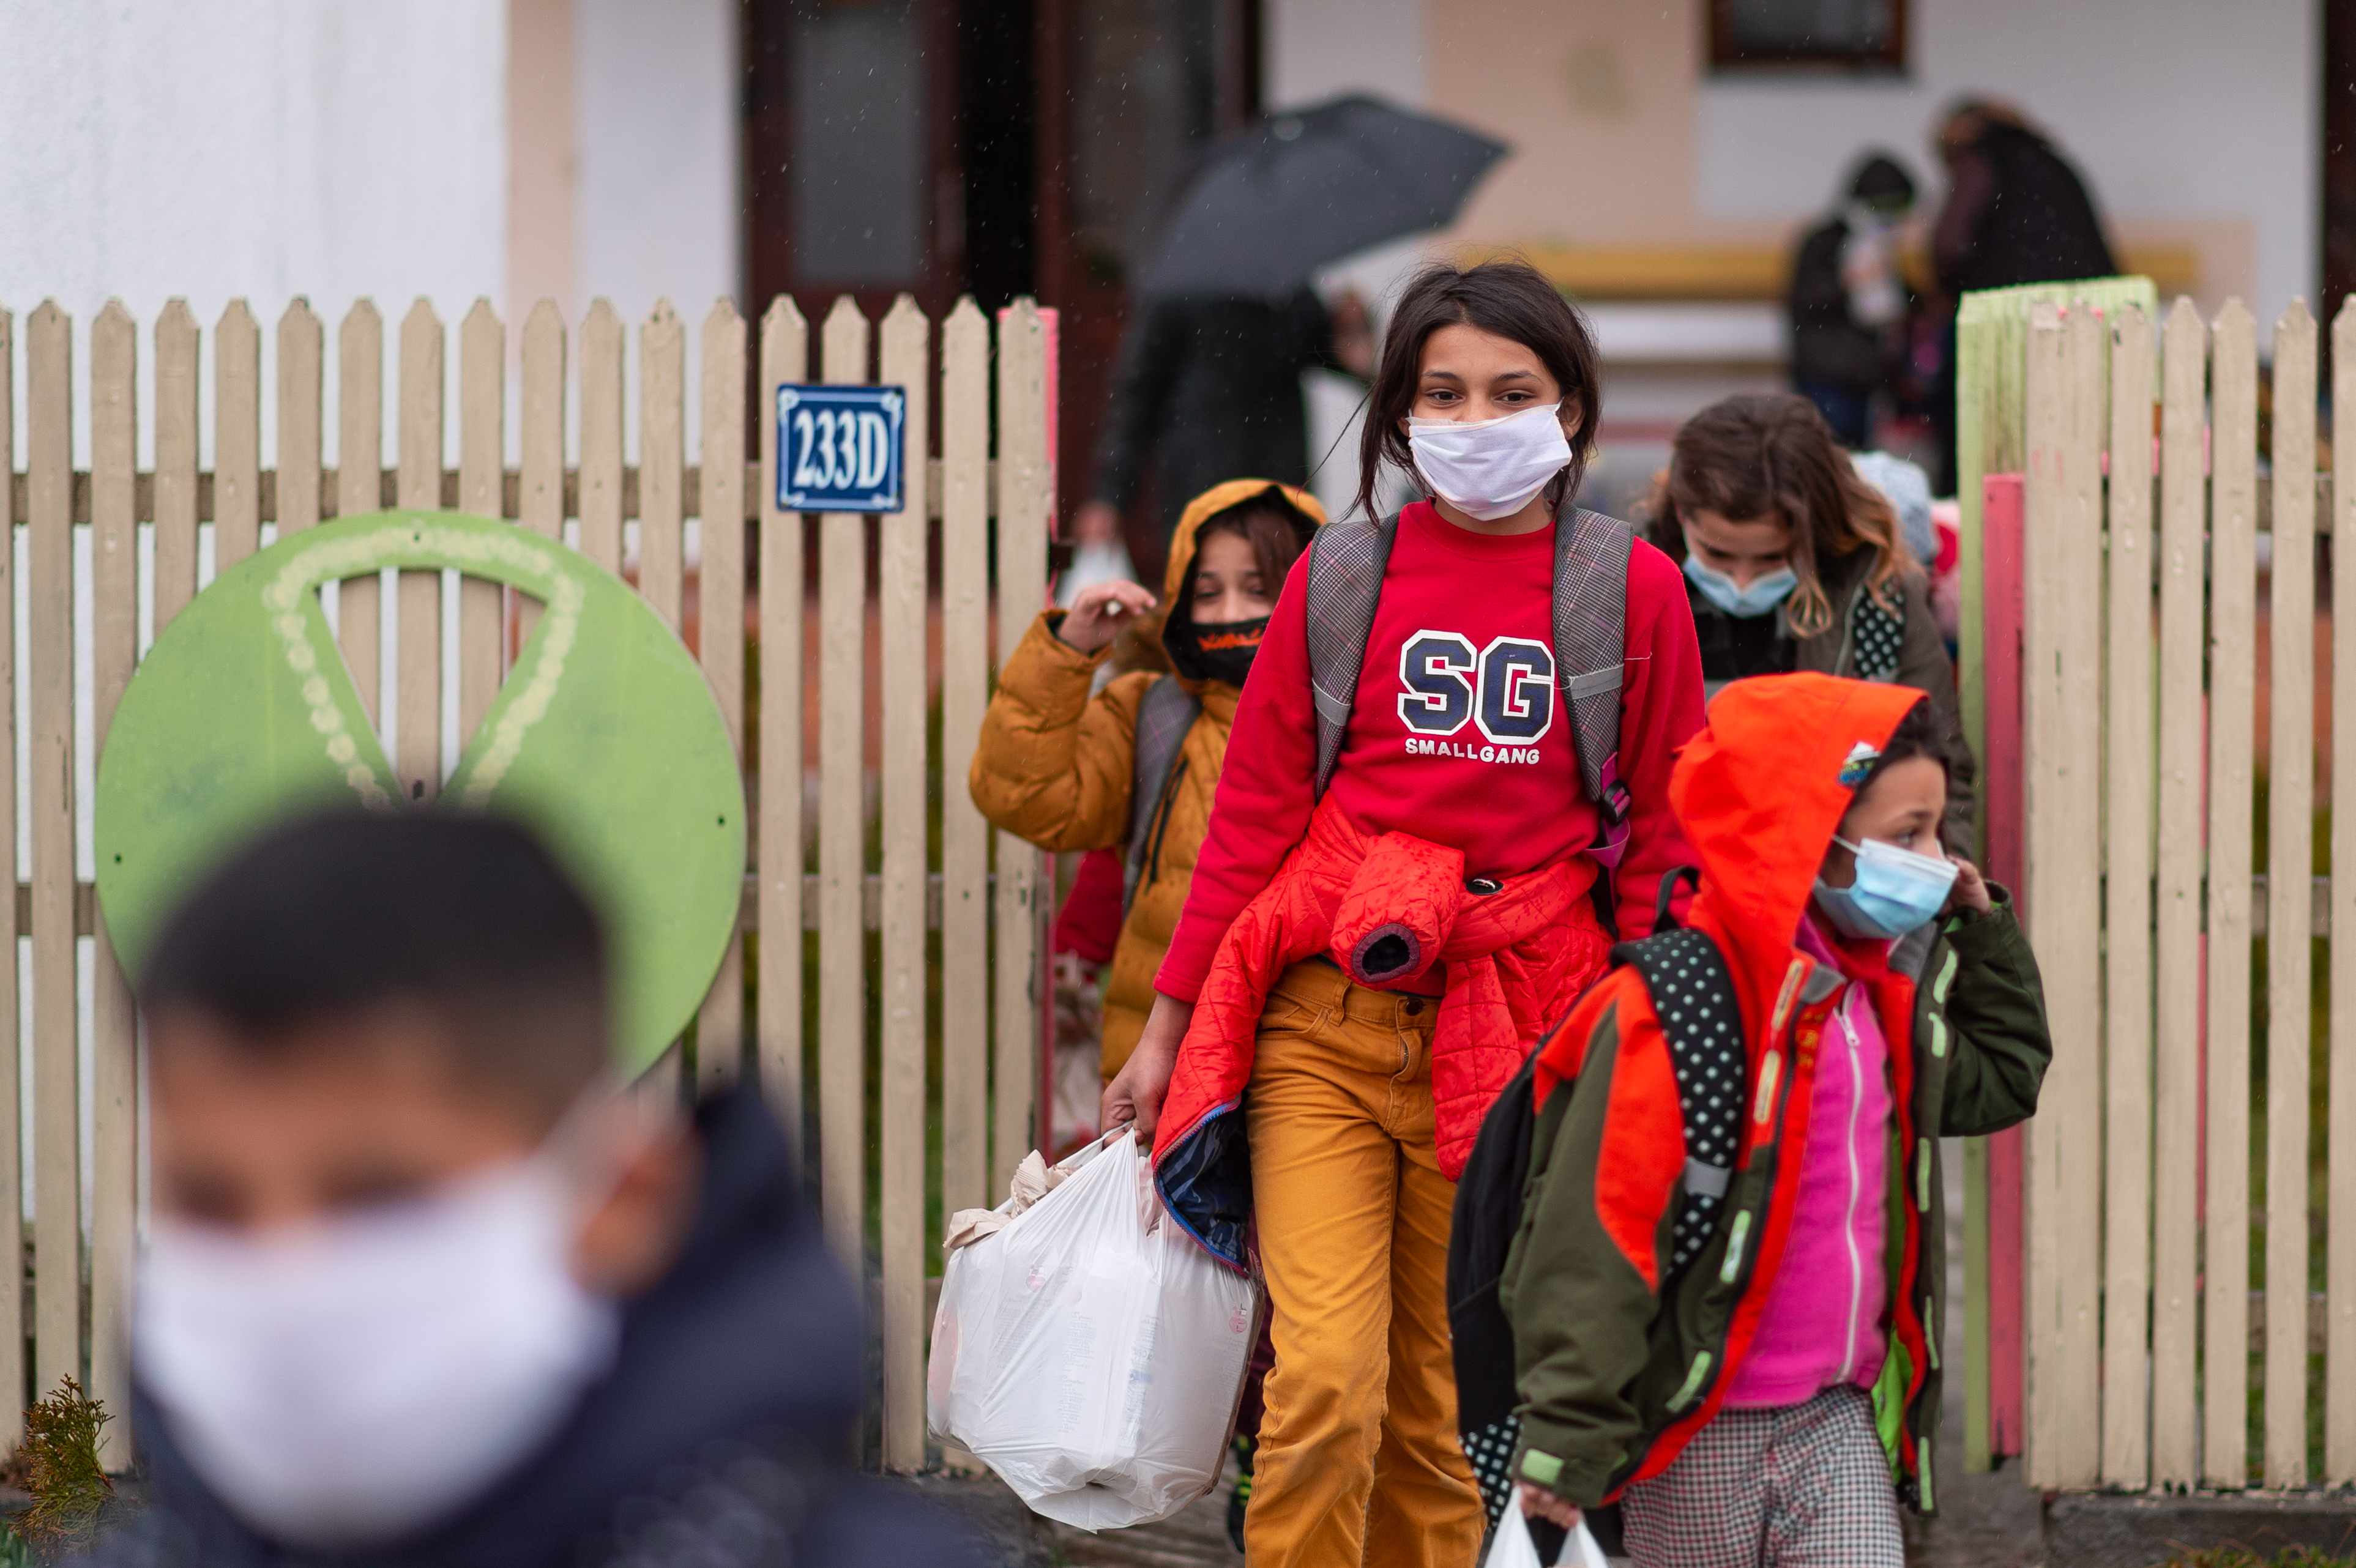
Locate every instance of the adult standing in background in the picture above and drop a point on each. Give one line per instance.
(1847, 302)
(2016, 212)
(1209, 389)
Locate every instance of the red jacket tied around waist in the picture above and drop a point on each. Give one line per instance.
(1388, 910)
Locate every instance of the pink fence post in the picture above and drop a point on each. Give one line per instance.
(2002, 505)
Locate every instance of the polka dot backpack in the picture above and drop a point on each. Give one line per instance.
(1693, 996)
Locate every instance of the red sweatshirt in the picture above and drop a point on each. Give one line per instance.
(1458, 734)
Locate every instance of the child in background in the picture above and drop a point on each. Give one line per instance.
(1879, 997)
(1440, 815)
(425, 1285)
(1068, 772)
(1795, 560)
(1058, 767)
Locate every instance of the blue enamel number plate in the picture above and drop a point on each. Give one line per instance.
(840, 448)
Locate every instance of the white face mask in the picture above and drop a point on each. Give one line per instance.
(348, 1384)
(1490, 468)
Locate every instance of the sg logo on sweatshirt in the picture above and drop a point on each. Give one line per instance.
(1506, 691)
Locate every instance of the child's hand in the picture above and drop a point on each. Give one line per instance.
(1970, 890)
(1099, 611)
(1137, 1091)
(1539, 1503)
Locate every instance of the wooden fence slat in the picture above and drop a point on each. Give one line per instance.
(842, 837)
(482, 464)
(114, 643)
(2061, 696)
(2126, 910)
(1025, 493)
(237, 437)
(2175, 1077)
(1996, 1249)
(2232, 555)
(417, 726)
(541, 480)
(2290, 855)
(785, 357)
(906, 362)
(176, 459)
(720, 639)
(601, 436)
(12, 1194)
(57, 1129)
(2339, 1140)
(359, 480)
(302, 358)
(662, 442)
(965, 693)
(662, 461)
(541, 500)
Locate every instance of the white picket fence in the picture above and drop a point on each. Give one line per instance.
(2140, 684)
(987, 1024)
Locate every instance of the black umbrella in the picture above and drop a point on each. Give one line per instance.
(1294, 191)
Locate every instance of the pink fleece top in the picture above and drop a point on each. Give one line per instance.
(1821, 1324)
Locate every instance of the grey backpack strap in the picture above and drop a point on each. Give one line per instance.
(1345, 579)
(1164, 717)
(1591, 650)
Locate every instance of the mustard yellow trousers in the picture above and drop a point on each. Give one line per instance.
(1358, 1458)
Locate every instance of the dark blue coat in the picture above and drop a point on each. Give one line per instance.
(716, 1438)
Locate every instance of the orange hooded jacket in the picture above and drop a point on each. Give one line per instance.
(1056, 766)
(1619, 1366)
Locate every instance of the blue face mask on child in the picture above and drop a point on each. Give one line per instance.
(1894, 891)
(1757, 597)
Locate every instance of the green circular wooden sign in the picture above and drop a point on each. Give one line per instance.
(604, 740)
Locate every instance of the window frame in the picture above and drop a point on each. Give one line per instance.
(1725, 60)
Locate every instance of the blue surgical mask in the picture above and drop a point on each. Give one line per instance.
(1757, 597)
(1895, 890)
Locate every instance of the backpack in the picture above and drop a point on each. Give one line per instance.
(1164, 717)
(1591, 644)
(1693, 996)
(1345, 579)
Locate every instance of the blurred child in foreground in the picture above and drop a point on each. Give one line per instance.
(425, 1284)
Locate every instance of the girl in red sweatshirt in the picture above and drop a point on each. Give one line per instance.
(1360, 968)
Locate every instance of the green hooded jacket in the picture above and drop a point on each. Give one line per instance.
(1616, 1374)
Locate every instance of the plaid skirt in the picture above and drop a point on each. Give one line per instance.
(1802, 1486)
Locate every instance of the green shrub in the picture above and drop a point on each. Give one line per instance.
(58, 1460)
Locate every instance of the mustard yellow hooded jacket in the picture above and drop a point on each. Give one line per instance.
(1055, 767)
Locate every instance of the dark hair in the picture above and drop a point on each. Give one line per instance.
(1917, 735)
(1765, 453)
(1879, 176)
(465, 916)
(1509, 298)
(1277, 530)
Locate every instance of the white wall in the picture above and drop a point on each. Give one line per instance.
(1315, 50)
(2185, 109)
(262, 148)
(655, 97)
(655, 103)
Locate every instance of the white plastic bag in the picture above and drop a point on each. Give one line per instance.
(1090, 1352)
(1511, 1547)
